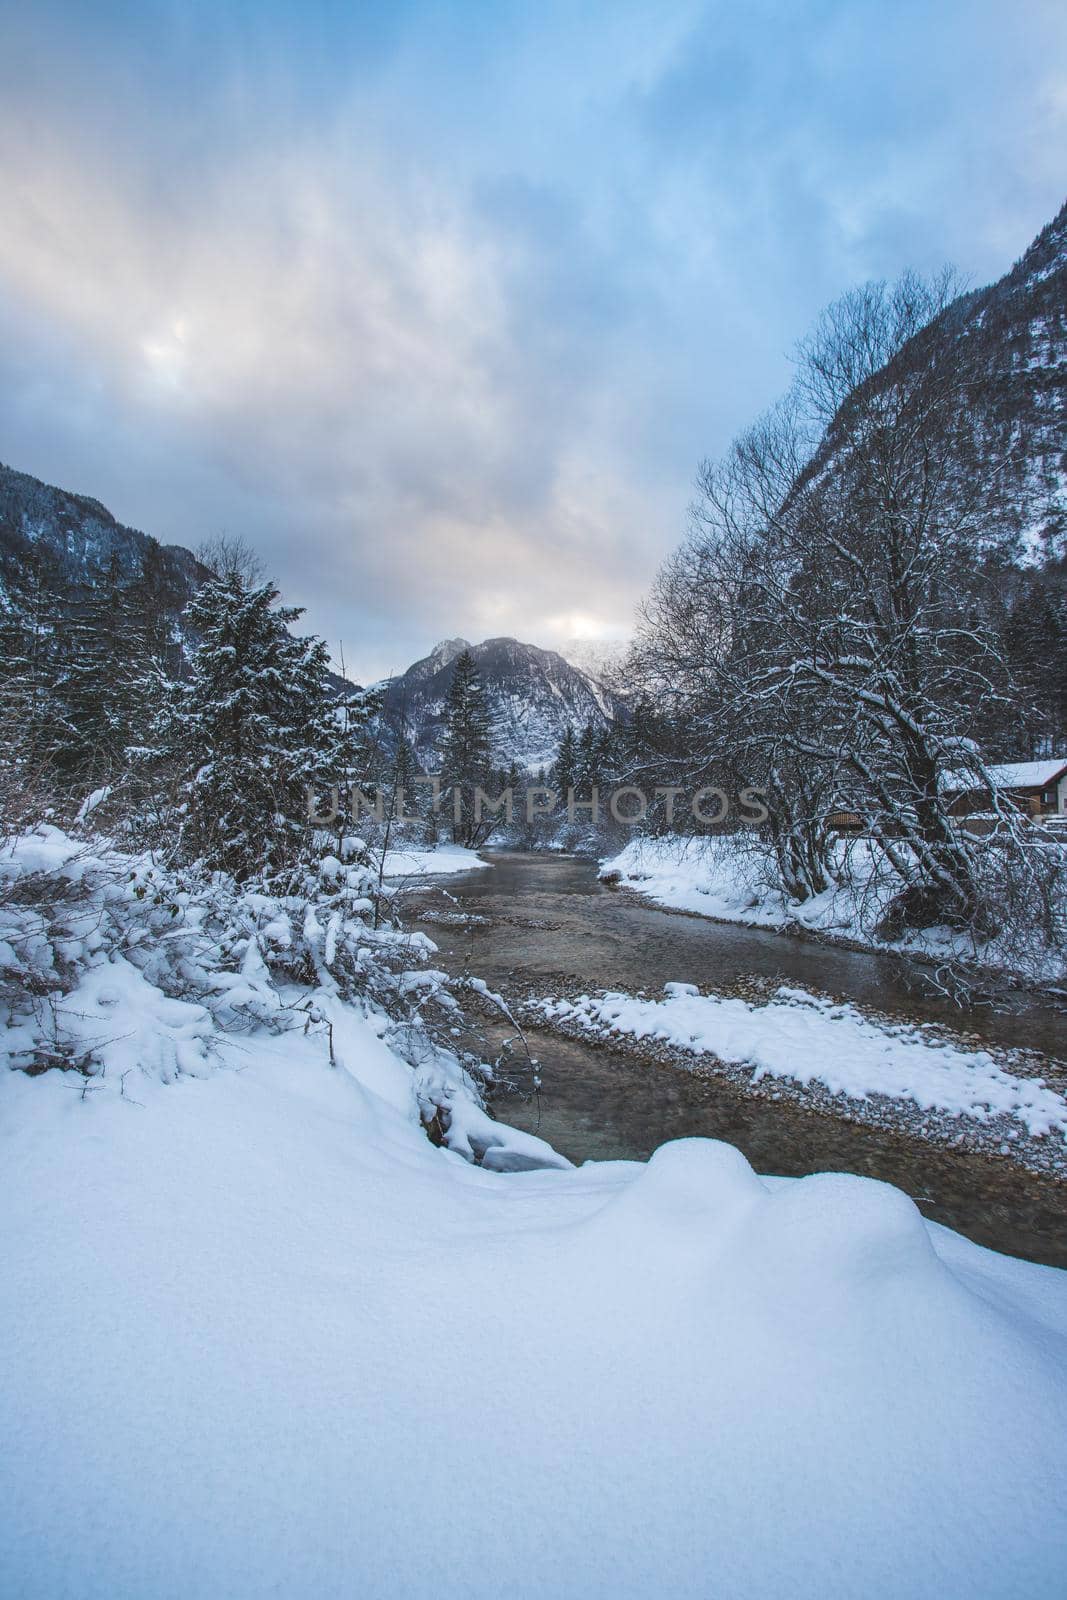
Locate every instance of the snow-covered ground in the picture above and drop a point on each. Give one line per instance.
(694, 874)
(807, 1038)
(441, 861)
(258, 1335)
(711, 877)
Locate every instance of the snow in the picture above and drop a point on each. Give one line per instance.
(809, 1039)
(91, 801)
(1014, 775)
(441, 861)
(711, 877)
(260, 1337)
(116, 1016)
(692, 874)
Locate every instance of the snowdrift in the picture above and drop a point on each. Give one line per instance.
(260, 1337)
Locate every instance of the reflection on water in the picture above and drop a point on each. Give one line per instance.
(550, 921)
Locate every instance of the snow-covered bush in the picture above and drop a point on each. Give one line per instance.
(112, 963)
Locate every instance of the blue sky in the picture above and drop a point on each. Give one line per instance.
(440, 305)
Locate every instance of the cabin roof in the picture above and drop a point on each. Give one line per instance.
(1012, 775)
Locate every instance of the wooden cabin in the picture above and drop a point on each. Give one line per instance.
(1038, 788)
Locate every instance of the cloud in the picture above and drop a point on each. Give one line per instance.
(440, 307)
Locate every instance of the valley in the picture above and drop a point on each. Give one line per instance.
(533, 802)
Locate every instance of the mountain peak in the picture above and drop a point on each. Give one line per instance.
(532, 694)
(447, 650)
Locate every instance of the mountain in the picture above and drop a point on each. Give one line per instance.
(1021, 325)
(601, 659)
(76, 539)
(1014, 443)
(532, 693)
(1012, 448)
(67, 541)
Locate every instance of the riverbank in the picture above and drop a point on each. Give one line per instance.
(710, 877)
(599, 1097)
(920, 1081)
(540, 927)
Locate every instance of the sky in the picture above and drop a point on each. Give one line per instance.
(440, 305)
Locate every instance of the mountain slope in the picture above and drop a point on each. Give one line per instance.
(79, 539)
(1021, 322)
(532, 693)
(600, 659)
(1005, 466)
(67, 542)
(1013, 443)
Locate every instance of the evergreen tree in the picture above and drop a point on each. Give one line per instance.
(152, 596)
(466, 758)
(32, 622)
(402, 799)
(102, 681)
(256, 726)
(1033, 629)
(350, 760)
(565, 768)
(28, 717)
(586, 774)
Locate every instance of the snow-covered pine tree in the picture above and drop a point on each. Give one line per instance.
(256, 726)
(357, 759)
(152, 595)
(585, 767)
(597, 759)
(466, 756)
(402, 799)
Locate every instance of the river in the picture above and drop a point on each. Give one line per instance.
(541, 923)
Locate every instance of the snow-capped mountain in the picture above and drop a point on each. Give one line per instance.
(601, 659)
(532, 693)
(1021, 322)
(1015, 443)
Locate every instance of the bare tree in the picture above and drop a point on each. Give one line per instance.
(228, 555)
(710, 648)
(827, 623)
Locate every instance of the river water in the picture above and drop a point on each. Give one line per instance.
(549, 924)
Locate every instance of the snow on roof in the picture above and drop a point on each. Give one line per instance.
(1013, 775)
